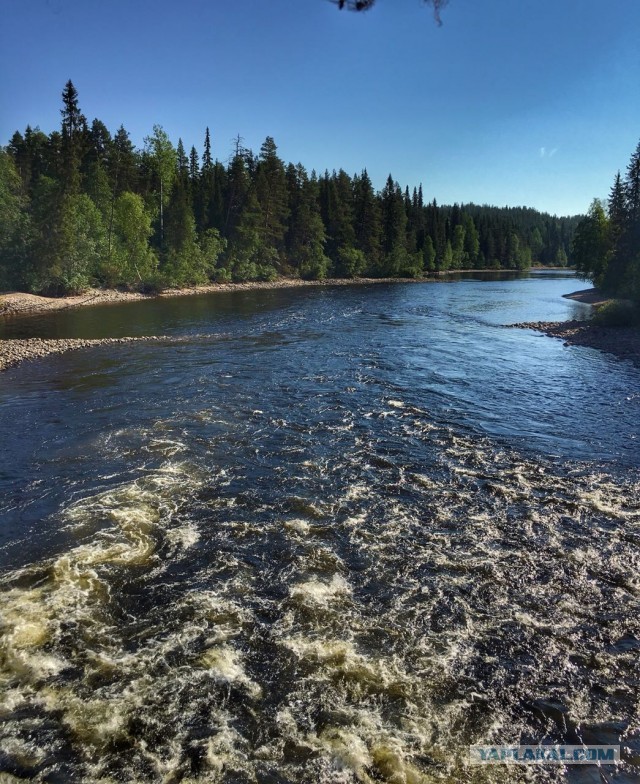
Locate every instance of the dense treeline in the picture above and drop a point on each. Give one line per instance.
(606, 245)
(83, 207)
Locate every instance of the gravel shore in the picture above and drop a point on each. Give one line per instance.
(622, 342)
(13, 352)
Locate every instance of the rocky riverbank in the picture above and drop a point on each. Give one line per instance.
(13, 352)
(622, 342)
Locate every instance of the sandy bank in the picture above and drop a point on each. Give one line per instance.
(20, 302)
(588, 297)
(16, 302)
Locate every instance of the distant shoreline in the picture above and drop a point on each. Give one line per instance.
(15, 302)
(20, 304)
(623, 342)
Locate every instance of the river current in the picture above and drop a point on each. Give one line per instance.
(329, 535)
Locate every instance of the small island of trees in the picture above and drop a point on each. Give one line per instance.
(83, 207)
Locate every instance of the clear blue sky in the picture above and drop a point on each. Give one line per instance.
(533, 102)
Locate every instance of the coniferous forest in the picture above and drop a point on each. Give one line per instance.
(83, 207)
(606, 244)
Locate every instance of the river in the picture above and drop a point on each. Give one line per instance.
(330, 535)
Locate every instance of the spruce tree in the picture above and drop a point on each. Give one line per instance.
(306, 234)
(194, 166)
(74, 134)
(122, 163)
(271, 192)
(367, 222)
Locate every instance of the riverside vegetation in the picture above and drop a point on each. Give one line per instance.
(606, 247)
(81, 207)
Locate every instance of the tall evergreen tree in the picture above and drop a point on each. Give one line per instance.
(74, 136)
(367, 222)
(271, 192)
(306, 235)
(617, 208)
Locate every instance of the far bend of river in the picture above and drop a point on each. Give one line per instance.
(331, 535)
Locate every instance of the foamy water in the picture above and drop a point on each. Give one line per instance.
(297, 572)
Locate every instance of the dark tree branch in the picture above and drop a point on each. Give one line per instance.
(365, 5)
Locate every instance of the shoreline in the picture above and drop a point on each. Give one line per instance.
(16, 351)
(21, 303)
(622, 342)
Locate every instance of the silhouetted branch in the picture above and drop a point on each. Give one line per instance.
(365, 5)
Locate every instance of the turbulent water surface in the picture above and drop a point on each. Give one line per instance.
(334, 535)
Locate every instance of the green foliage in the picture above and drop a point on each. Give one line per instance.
(617, 313)
(351, 262)
(222, 275)
(81, 206)
(129, 260)
(15, 225)
(75, 249)
(591, 249)
(606, 247)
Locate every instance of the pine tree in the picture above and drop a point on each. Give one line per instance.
(100, 143)
(367, 222)
(122, 163)
(394, 229)
(271, 192)
(74, 134)
(617, 208)
(471, 241)
(632, 188)
(306, 234)
(207, 161)
(336, 204)
(236, 192)
(194, 166)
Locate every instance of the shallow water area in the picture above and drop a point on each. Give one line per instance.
(333, 535)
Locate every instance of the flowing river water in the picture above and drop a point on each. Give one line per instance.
(331, 535)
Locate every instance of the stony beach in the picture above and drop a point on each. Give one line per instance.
(18, 304)
(13, 352)
(623, 342)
